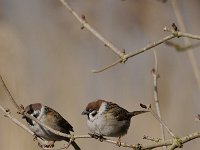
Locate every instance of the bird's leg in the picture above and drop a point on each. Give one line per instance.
(34, 137)
(94, 135)
(119, 141)
(100, 137)
(50, 144)
(40, 145)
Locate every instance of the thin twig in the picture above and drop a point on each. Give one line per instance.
(86, 25)
(28, 115)
(107, 67)
(151, 138)
(8, 114)
(9, 94)
(181, 48)
(60, 148)
(155, 84)
(174, 34)
(160, 120)
(150, 46)
(186, 40)
(137, 52)
(123, 57)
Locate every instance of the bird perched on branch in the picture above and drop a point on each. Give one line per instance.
(108, 119)
(52, 119)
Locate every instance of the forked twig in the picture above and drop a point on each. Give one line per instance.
(122, 56)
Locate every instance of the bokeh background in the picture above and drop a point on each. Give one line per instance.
(46, 57)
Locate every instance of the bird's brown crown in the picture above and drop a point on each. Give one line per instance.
(95, 105)
(30, 108)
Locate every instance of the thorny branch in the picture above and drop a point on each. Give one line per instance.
(123, 57)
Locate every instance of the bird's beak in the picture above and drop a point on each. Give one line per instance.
(85, 112)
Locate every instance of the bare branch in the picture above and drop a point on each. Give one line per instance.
(107, 67)
(9, 94)
(150, 46)
(181, 48)
(155, 84)
(179, 34)
(186, 40)
(8, 114)
(86, 25)
(152, 139)
(137, 52)
(160, 120)
(123, 57)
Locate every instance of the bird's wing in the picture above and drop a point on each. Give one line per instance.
(118, 112)
(59, 120)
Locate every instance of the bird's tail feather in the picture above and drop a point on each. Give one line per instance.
(76, 147)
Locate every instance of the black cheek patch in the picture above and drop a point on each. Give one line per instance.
(94, 114)
(29, 121)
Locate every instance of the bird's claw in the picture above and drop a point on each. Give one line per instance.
(100, 137)
(48, 145)
(34, 137)
(119, 143)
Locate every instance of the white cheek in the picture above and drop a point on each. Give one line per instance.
(102, 109)
(36, 128)
(41, 113)
(96, 123)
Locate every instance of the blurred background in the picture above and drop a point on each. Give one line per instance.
(46, 57)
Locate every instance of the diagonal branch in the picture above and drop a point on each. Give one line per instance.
(22, 112)
(86, 25)
(9, 94)
(174, 34)
(161, 122)
(8, 114)
(124, 57)
(137, 52)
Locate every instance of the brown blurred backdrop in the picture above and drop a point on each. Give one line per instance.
(45, 57)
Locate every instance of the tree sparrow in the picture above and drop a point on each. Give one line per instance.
(52, 119)
(108, 119)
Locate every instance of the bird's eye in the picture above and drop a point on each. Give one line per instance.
(94, 112)
(35, 115)
(30, 112)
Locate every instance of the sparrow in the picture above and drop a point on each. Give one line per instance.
(51, 118)
(108, 119)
